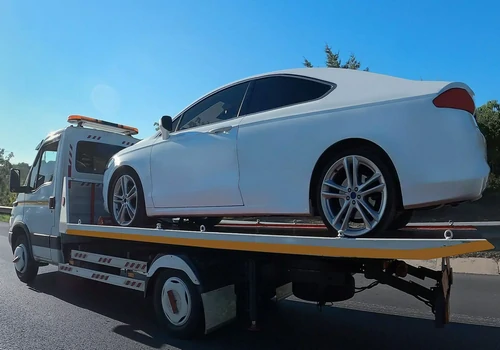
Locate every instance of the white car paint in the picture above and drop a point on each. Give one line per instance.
(263, 164)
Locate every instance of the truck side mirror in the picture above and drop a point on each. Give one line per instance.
(165, 126)
(15, 180)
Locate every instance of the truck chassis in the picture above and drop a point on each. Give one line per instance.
(200, 280)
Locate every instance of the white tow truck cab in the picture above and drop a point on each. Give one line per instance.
(200, 280)
(73, 152)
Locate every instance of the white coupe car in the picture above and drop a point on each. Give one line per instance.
(361, 150)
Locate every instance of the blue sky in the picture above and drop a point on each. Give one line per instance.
(132, 61)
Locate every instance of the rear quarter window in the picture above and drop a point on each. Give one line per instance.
(281, 91)
(92, 157)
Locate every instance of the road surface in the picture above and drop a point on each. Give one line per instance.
(64, 312)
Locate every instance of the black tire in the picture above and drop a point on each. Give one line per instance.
(30, 271)
(401, 220)
(193, 326)
(392, 202)
(140, 218)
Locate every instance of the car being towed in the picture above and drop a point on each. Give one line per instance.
(361, 150)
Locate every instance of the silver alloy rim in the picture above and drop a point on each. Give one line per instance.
(350, 205)
(125, 200)
(176, 301)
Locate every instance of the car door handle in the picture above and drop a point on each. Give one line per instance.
(224, 129)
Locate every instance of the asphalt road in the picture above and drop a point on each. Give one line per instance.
(64, 312)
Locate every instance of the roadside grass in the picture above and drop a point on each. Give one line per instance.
(4, 218)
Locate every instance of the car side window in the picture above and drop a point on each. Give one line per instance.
(43, 169)
(281, 91)
(223, 105)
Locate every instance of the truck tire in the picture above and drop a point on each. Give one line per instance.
(178, 305)
(26, 267)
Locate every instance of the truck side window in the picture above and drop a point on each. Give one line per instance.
(43, 169)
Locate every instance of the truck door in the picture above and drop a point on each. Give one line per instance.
(38, 215)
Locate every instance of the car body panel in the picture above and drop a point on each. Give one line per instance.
(204, 171)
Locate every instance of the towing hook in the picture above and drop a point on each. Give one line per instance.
(448, 234)
(16, 259)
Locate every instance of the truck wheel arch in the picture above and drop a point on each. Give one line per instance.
(20, 228)
(169, 261)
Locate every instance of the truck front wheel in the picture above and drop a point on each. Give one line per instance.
(26, 267)
(178, 305)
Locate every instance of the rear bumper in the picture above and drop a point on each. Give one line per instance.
(453, 168)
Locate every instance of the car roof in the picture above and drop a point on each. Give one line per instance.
(336, 76)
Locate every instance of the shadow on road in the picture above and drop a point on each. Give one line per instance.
(296, 325)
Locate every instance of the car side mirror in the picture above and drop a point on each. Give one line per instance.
(15, 182)
(165, 126)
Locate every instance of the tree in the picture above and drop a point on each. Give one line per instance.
(333, 60)
(5, 166)
(6, 197)
(488, 120)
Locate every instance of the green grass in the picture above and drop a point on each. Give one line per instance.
(4, 218)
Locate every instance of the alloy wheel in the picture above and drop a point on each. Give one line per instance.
(125, 200)
(354, 195)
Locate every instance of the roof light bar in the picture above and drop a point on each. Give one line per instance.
(102, 125)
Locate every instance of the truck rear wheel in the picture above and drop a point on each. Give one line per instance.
(26, 267)
(178, 305)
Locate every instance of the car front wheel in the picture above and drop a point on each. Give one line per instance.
(127, 200)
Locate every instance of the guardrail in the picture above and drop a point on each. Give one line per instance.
(5, 210)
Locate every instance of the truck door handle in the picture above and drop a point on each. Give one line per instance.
(52, 202)
(224, 129)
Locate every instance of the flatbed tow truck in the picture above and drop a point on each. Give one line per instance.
(200, 279)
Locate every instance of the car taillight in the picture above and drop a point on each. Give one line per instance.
(455, 98)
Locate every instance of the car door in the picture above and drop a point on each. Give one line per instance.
(197, 166)
(38, 216)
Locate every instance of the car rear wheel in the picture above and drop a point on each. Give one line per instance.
(127, 200)
(357, 193)
(401, 220)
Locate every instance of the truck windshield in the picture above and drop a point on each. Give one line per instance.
(91, 157)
